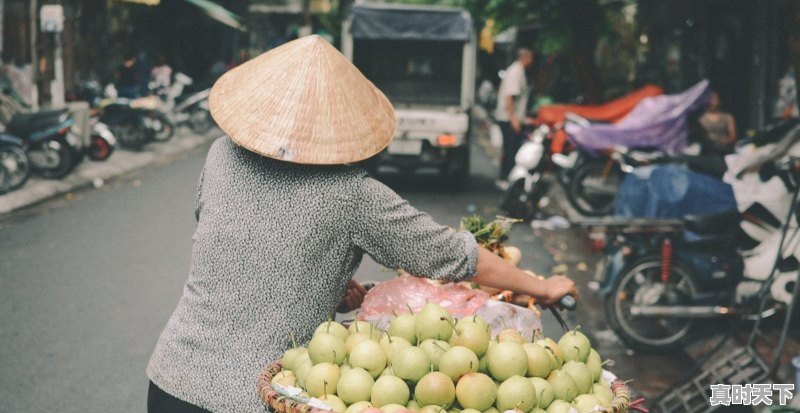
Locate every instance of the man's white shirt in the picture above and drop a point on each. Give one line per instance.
(513, 84)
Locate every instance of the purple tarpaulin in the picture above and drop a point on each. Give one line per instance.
(658, 122)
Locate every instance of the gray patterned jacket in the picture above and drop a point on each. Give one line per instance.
(274, 248)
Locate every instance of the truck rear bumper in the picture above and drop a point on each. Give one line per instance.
(430, 157)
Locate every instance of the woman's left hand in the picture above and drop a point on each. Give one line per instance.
(353, 297)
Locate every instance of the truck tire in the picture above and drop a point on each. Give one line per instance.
(455, 173)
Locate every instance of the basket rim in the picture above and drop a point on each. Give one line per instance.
(281, 404)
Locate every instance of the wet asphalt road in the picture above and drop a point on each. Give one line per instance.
(88, 281)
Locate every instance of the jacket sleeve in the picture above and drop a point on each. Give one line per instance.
(397, 235)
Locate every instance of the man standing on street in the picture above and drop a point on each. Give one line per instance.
(512, 101)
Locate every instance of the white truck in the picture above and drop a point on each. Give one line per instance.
(423, 59)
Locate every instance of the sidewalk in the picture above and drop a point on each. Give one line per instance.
(90, 173)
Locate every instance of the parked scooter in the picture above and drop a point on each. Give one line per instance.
(15, 167)
(102, 141)
(131, 127)
(191, 110)
(153, 108)
(135, 122)
(51, 146)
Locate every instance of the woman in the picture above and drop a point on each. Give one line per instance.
(283, 224)
(719, 128)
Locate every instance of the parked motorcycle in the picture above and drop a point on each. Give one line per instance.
(157, 119)
(52, 148)
(134, 122)
(15, 168)
(191, 110)
(662, 275)
(132, 126)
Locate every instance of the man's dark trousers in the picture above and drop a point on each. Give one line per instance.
(511, 144)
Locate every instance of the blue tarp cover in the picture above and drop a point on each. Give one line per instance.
(671, 191)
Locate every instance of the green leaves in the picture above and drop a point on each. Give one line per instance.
(491, 234)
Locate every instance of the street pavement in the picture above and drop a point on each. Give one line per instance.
(88, 280)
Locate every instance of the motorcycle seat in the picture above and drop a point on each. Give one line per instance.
(714, 223)
(25, 124)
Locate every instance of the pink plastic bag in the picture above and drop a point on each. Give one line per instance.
(402, 292)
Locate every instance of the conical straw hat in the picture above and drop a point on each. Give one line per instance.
(303, 102)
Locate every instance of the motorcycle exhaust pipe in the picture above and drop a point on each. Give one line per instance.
(683, 311)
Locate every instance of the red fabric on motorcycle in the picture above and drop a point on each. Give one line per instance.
(611, 112)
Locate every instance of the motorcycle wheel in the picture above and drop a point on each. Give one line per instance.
(640, 284)
(164, 129)
(593, 188)
(131, 134)
(99, 148)
(66, 162)
(517, 203)
(200, 121)
(15, 168)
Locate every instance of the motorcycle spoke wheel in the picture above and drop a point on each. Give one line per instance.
(200, 121)
(15, 168)
(65, 164)
(516, 203)
(130, 136)
(164, 130)
(641, 286)
(594, 188)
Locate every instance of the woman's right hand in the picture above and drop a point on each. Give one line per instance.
(495, 272)
(555, 288)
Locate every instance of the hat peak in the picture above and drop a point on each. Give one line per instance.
(303, 102)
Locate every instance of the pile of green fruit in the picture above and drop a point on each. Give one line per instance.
(428, 363)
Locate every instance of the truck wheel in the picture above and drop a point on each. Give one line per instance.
(455, 172)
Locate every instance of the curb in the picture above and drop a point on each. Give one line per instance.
(90, 173)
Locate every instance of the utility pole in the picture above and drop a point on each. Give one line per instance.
(34, 57)
(58, 66)
(52, 21)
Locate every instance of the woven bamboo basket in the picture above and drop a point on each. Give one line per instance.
(281, 404)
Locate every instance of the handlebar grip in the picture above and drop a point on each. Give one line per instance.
(568, 302)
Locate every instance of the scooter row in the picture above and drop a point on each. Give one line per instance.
(154, 118)
(46, 142)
